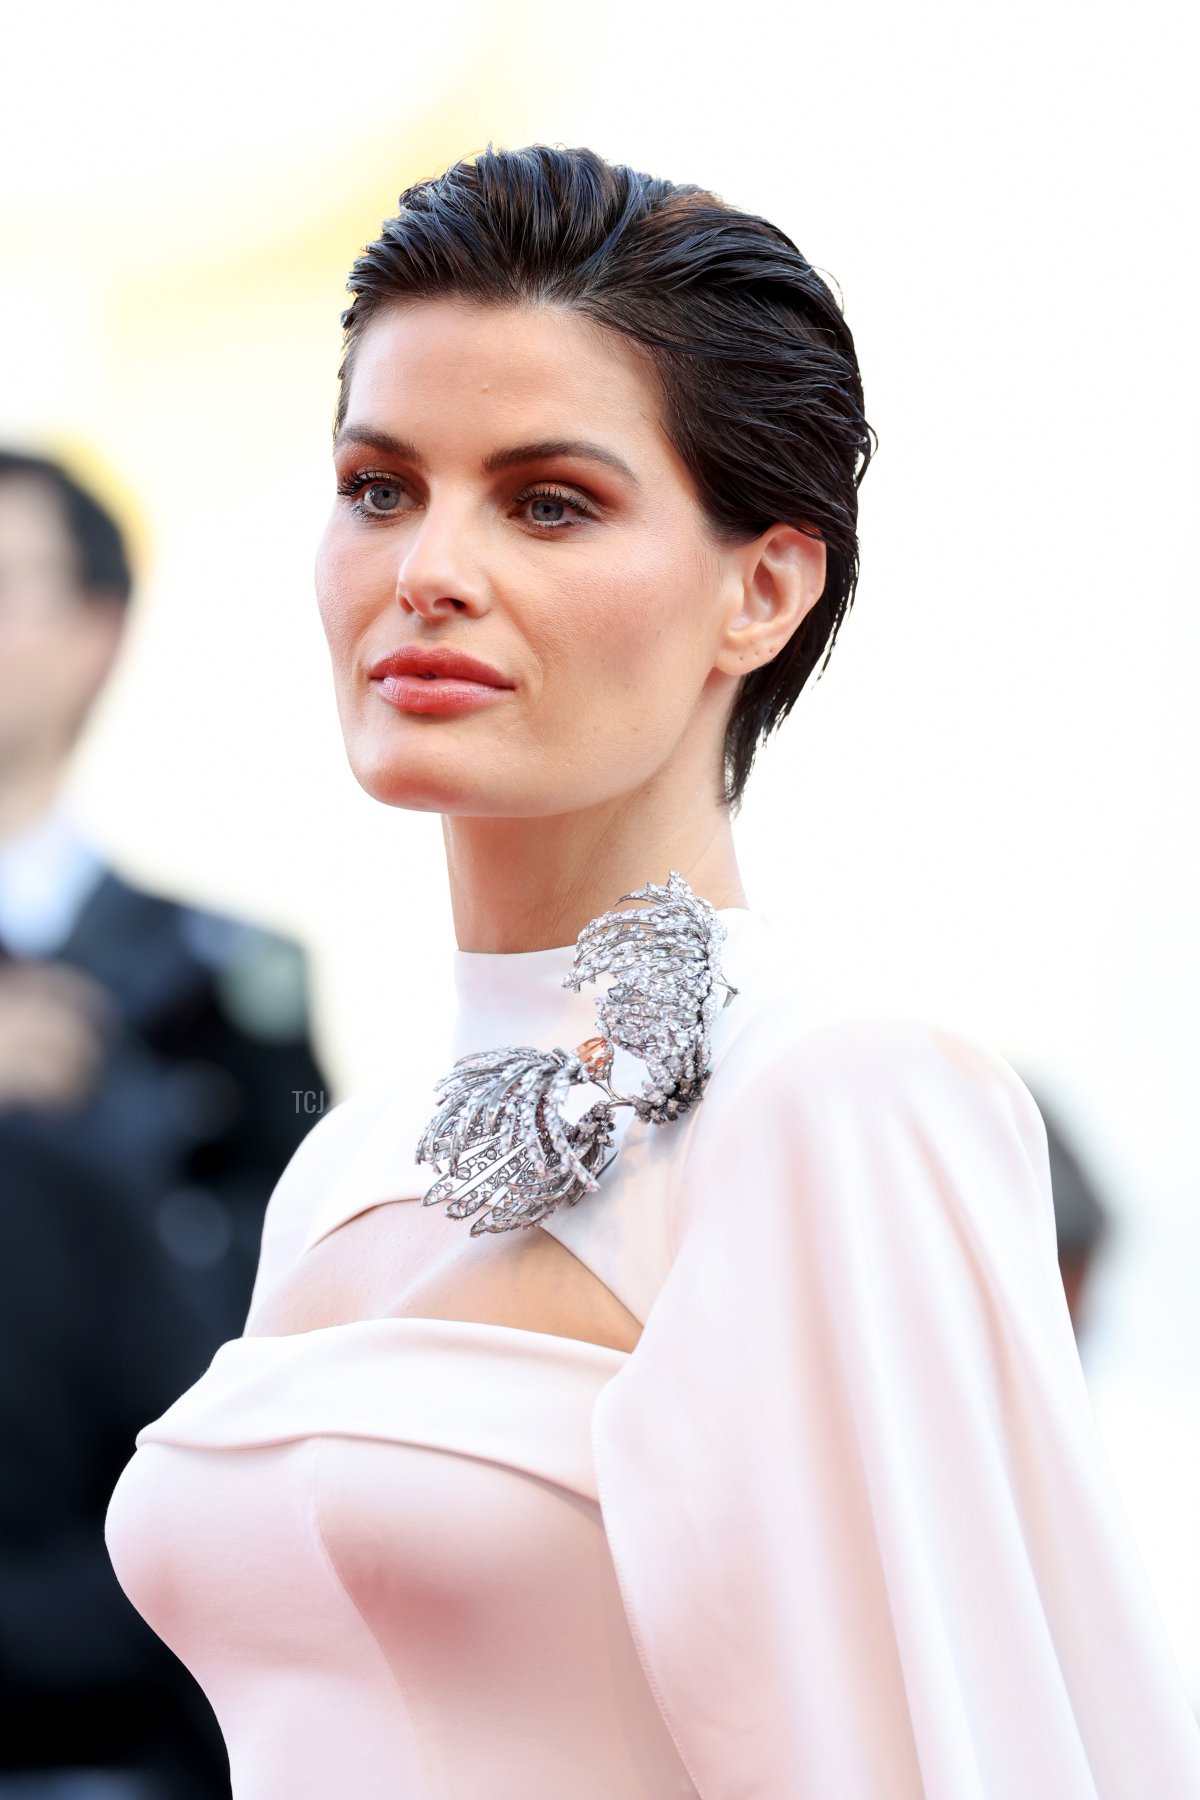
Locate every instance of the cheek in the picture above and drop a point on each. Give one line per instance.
(630, 635)
(325, 577)
(338, 579)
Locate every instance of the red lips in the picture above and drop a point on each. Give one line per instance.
(433, 678)
(438, 662)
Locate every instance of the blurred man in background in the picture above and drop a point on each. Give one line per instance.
(150, 1058)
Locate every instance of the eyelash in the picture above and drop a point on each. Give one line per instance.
(353, 485)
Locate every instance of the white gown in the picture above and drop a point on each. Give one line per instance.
(839, 1528)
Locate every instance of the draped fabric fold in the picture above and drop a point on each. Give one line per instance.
(863, 1525)
(508, 1396)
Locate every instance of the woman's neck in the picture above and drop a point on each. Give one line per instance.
(533, 884)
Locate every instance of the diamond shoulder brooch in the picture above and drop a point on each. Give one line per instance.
(503, 1151)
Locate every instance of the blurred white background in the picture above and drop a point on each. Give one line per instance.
(984, 812)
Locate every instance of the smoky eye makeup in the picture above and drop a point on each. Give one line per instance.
(356, 486)
(377, 494)
(551, 494)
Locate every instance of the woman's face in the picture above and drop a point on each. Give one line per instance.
(506, 491)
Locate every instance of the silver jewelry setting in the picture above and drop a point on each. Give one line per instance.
(498, 1138)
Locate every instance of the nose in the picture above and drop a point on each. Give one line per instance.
(436, 574)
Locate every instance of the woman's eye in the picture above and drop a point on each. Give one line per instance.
(380, 497)
(552, 510)
(371, 496)
(546, 511)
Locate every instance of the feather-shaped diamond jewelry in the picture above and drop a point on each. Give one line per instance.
(498, 1138)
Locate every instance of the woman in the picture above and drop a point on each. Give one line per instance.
(772, 1471)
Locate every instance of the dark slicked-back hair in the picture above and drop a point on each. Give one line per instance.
(761, 392)
(101, 559)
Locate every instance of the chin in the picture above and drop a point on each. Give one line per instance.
(415, 785)
(431, 779)
(418, 771)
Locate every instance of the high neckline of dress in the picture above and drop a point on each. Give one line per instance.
(513, 998)
(517, 996)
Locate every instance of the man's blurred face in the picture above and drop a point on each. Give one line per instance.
(55, 642)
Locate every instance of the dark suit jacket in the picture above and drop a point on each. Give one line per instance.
(129, 1235)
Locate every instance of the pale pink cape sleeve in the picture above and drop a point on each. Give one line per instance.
(862, 1521)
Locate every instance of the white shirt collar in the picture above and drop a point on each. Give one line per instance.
(47, 872)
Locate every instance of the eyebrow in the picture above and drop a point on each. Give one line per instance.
(542, 450)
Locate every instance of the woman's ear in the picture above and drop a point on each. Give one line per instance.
(777, 579)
